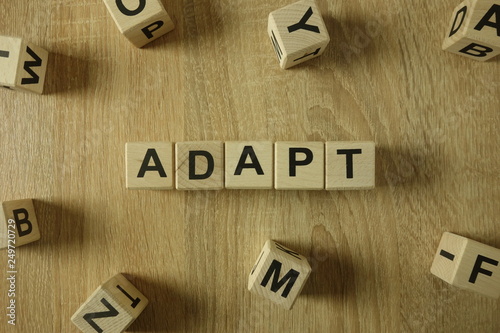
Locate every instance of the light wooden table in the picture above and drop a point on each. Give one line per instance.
(434, 116)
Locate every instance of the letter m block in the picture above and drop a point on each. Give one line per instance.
(279, 274)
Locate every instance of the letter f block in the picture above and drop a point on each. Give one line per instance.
(25, 226)
(298, 33)
(279, 274)
(468, 264)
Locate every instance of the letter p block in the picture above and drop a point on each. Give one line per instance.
(23, 226)
(279, 274)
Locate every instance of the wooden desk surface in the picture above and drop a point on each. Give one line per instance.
(434, 116)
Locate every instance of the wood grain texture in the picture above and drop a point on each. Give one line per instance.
(384, 78)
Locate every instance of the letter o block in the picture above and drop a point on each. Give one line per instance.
(279, 274)
(23, 226)
(474, 30)
(468, 264)
(298, 33)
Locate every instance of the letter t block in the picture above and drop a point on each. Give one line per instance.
(468, 264)
(23, 223)
(279, 274)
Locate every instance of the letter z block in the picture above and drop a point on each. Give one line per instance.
(22, 65)
(279, 274)
(468, 264)
(475, 30)
(298, 33)
(23, 223)
(140, 21)
(111, 308)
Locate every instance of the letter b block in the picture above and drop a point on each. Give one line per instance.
(468, 264)
(24, 227)
(297, 32)
(111, 308)
(279, 274)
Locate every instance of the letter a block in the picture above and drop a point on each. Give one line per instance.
(111, 308)
(298, 33)
(19, 219)
(22, 65)
(279, 274)
(140, 21)
(475, 30)
(468, 264)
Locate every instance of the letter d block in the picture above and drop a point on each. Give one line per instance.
(111, 308)
(474, 30)
(279, 274)
(298, 33)
(22, 65)
(25, 225)
(141, 21)
(468, 264)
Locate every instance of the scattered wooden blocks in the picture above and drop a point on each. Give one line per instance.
(249, 165)
(22, 65)
(475, 30)
(279, 274)
(18, 225)
(150, 165)
(140, 21)
(298, 33)
(351, 165)
(468, 264)
(199, 165)
(111, 308)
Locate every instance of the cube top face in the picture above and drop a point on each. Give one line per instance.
(298, 33)
(25, 226)
(468, 264)
(10, 49)
(249, 165)
(199, 165)
(299, 165)
(149, 165)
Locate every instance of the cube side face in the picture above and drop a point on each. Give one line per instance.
(23, 213)
(484, 22)
(248, 165)
(125, 293)
(149, 165)
(32, 68)
(150, 30)
(350, 165)
(448, 256)
(10, 49)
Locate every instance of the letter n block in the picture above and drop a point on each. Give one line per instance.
(140, 21)
(298, 33)
(22, 65)
(24, 225)
(468, 264)
(279, 274)
(111, 308)
(474, 30)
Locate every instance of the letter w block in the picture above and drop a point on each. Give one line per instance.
(279, 274)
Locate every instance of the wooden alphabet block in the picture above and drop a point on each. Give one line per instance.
(298, 33)
(249, 165)
(299, 165)
(474, 30)
(350, 165)
(22, 65)
(18, 223)
(140, 21)
(279, 274)
(199, 165)
(111, 308)
(150, 165)
(468, 264)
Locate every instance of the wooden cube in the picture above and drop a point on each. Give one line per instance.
(199, 165)
(111, 308)
(298, 33)
(299, 165)
(22, 65)
(150, 165)
(18, 225)
(279, 274)
(350, 165)
(468, 264)
(140, 21)
(474, 30)
(249, 165)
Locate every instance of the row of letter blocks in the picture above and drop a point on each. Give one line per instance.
(214, 165)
